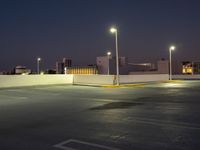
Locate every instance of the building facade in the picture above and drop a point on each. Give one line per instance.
(82, 70)
(62, 65)
(189, 67)
(21, 70)
(107, 64)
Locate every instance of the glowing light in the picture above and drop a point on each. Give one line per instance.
(108, 53)
(113, 30)
(39, 59)
(172, 48)
(65, 70)
(190, 70)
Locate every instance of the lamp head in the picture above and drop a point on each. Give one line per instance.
(108, 53)
(172, 48)
(113, 30)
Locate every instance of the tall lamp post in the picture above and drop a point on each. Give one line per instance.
(108, 54)
(172, 48)
(114, 31)
(38, 65)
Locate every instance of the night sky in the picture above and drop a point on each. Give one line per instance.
(79, 29)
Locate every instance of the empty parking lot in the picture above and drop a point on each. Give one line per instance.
(149, 117)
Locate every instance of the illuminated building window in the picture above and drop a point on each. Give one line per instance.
(82, 70)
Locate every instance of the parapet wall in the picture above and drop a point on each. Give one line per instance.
(143, 78)
(186, 77)
(93, 79)
(32, 80)
(110, 79)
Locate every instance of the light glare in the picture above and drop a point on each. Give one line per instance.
(39, 59)
(113, 30)
(108, 53)
(172, 48)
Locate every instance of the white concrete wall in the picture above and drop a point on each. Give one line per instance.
(186, 77)
(93, 79)
(143, 78)
(144, 73)
(105, 79)
(31, 80)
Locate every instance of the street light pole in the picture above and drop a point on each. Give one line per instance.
(108, 54)
(38, 65)
(114, 30)
(170, 61)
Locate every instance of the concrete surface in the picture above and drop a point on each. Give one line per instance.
(162, 116)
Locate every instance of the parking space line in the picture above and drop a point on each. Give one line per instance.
(63, 145)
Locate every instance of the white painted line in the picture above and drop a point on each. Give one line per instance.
(63, 145)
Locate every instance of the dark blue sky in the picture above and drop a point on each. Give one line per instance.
(79, 29)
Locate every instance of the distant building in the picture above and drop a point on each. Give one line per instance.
(3, 73)
(161, 67)
(21, 70)
(196, 67)
(60, 66)
(107, 64)
(189, 67)
(82, 70)
(67, 62)
(50, 71)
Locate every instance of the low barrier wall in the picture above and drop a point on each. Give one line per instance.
(109, 79)
(186, 77)
(32, 80)
(93, 79)
(143, 78)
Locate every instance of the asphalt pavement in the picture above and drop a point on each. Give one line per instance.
(156, 116)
